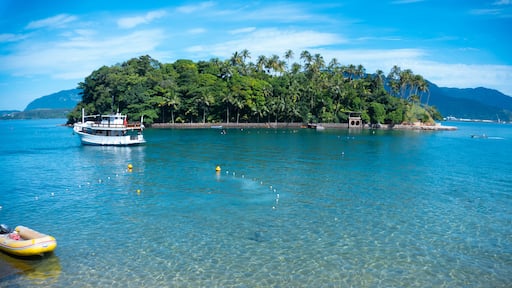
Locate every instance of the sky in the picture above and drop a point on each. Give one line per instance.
(49, 46)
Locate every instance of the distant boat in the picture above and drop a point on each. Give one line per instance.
(479, 136)
(109, 130)
(316, 126)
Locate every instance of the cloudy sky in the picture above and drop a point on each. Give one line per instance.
(48, 46)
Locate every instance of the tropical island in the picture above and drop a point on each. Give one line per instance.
(269, 90)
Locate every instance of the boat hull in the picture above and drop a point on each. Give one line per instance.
(31, 243)
(88, 139)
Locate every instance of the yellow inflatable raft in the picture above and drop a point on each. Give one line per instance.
(24, 241)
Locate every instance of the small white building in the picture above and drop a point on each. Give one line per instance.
(354, 120)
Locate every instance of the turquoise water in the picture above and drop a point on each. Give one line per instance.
(290, 208)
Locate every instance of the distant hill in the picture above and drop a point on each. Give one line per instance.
(65, 99)
(56, 105)
(471, 103)
(8, 112)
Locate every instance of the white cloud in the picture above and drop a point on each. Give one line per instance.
(502, 2)
(130, 22)
(284, 13)
(242, 30)
(196, 31)
(57, 21)
(8, 37)
(373, 59)
(485, 11)
(406, 1)
(187, 9)
(274, 41)
(195, 49)
(77, 57)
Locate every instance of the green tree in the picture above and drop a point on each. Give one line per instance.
(377, 112)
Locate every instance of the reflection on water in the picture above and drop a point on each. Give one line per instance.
(38, 270)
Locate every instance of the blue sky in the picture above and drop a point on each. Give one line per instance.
(48, 46)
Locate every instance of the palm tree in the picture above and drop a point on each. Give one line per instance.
(296, 68)
(394, 80)
(352, 72)
(229, 100)
(423, 87)
(318, 64)
(236, 59)
(288, 55)
(261, 63)
(204, 100)
(306, 57)
(427, 89)
(334, 65)
(173, 102)
(239, 105)
(378, 79)
(405, 82)
(360, 71)
(245, 54)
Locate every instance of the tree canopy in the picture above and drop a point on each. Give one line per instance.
(270, 89)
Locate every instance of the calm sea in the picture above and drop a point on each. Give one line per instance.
(290, 208)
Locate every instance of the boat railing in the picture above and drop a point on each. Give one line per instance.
(115, 125)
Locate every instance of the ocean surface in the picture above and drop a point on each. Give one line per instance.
(290, 208)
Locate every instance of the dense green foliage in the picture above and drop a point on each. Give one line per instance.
(237, 90)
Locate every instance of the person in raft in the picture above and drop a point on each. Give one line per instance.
(14, 235)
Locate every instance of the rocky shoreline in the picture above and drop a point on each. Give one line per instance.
(280, 125)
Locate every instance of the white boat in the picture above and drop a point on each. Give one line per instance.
(109, 130)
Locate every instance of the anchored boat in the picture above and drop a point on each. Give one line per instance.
(23, 241)
(111, 130)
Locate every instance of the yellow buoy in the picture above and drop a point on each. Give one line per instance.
(130, 166)
(217, 168)
(138, 191)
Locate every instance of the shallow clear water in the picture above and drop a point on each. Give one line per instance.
(290, 208)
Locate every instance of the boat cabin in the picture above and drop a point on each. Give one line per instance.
(115, 120)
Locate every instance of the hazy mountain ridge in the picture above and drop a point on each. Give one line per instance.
(472, 103)
(56, 105)
(60, 100)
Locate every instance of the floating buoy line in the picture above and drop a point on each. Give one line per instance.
(260, 182)
(129, 169)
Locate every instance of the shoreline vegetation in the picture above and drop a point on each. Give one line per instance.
(282, 125)
(269, 90)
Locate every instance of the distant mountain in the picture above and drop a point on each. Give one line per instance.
(56, 105)
(65, 99)
(8, 112)
(471, 103)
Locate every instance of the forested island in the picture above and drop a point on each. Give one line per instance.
(271, 89)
